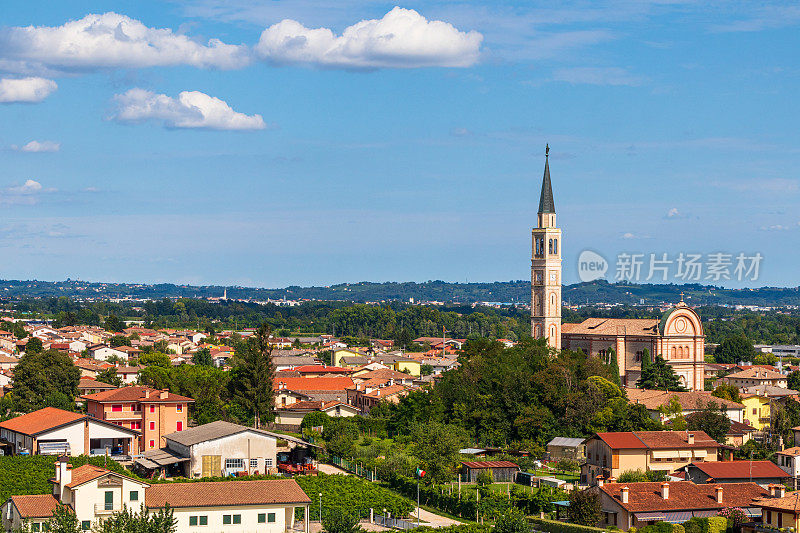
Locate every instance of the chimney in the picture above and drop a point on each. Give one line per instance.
(162, 395)
(690, 438)
(780, 491)
(599, 481)
(611, 479)
(665, 491)
(771, 489)
(63, 471)
(146, 393)
(718, 491)
(623, 494)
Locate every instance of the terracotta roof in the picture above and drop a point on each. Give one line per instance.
(613, 326)
(315, 405)
(756, 373)
(84, 474)
(86, 383)
(386, 392)
(489, 464)
(690, 400)
(790, 502)
(383, 374)
(683, 495)
(791, 451)
(225, 493)
(657, 439)
(318, 384)
(35, 505)
(135, 394)
(41, 420)
(740, 469)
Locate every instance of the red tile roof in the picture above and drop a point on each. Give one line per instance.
(215, 493)
(35, 505)
(740, 469)
(657, 439)
(683, 495)
(320, 369)
(135, 394)
(41, 420)
(621, 440)
(318, 384)
(84, 474)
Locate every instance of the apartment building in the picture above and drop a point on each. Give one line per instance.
(155, 413)
(610, 454)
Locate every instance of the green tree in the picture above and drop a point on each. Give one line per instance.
(484, 477)
(673, 411)
(45, 378)
(114, 324)
(584, 508)
(726, 391)
(512, 521)
(713, 420)
(437, 445)
(659, 376)
(64, 520)
(566, 465)
(336, 520)
(252, 375)
(34, 345)
(109, 375)
(119, 340)
(793, 380)
(202, 357)
(614, 366)
(155, 359)
(646, 360)
(733, 349)
(426, 370)
(131, 521)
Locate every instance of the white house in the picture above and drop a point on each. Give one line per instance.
(52, 431)
(789, 461)
(104, 353)
(221, 449)
(94, 493)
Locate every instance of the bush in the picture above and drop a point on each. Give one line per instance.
(554, 526)
(717, 524)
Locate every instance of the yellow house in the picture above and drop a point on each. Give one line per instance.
(781, 511)
(756, 410)
(345, 352)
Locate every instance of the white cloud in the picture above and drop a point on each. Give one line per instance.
(628, 235)
(27, 90)
(112, 40)
(401, 39)
(191, 109)
(25, 194)
(38, 146)
(673, 213)
(597, 76)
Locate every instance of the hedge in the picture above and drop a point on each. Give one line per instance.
(555, 526)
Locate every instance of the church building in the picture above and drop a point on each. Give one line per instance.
(677, 337)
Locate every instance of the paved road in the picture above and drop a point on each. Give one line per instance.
(331, 469)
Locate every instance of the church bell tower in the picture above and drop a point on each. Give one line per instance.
(546, 267)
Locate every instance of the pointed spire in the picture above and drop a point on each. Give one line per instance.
(546, 203)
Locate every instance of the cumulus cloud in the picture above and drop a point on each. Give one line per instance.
(26, 194)
(628, 235)
(27, 90)
(38, 146)
(401, 39)
(614, 76)
(673, 213)
(112, 40)
(191, 109)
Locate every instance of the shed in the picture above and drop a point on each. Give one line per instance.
(500, 470)
(566, 448)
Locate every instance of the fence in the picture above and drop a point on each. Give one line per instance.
(355, 468)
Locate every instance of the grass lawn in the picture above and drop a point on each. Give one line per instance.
(569, 477)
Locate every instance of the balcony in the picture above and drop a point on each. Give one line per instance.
(103, 509)
(122, 415)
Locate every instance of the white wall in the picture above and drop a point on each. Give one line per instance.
(249, 516)
(235, 446)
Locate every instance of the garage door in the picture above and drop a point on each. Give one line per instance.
(212, 465)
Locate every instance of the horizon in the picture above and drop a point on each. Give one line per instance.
(186, 142)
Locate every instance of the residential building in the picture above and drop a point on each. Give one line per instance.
(104, 353)
(316, 389)
(219, 449)
(293, 414)
(154, 413)
(789, 461)
(320, 371)
(754, 377)
(94, 493)
(756, 410)
(610, 454)
(780, 511)
(764, 473)
(690, 402)
(51, 431)
(91, 385)
(642, 504)
(365, 396)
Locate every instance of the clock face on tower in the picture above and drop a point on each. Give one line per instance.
(552, 276)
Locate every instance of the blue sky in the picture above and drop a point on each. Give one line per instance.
(155, 156)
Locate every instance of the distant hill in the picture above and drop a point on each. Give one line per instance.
(500, 291)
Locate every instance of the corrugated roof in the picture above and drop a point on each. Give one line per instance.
(565, 441)
(225, 493)
(206, 432)
(489, 464)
